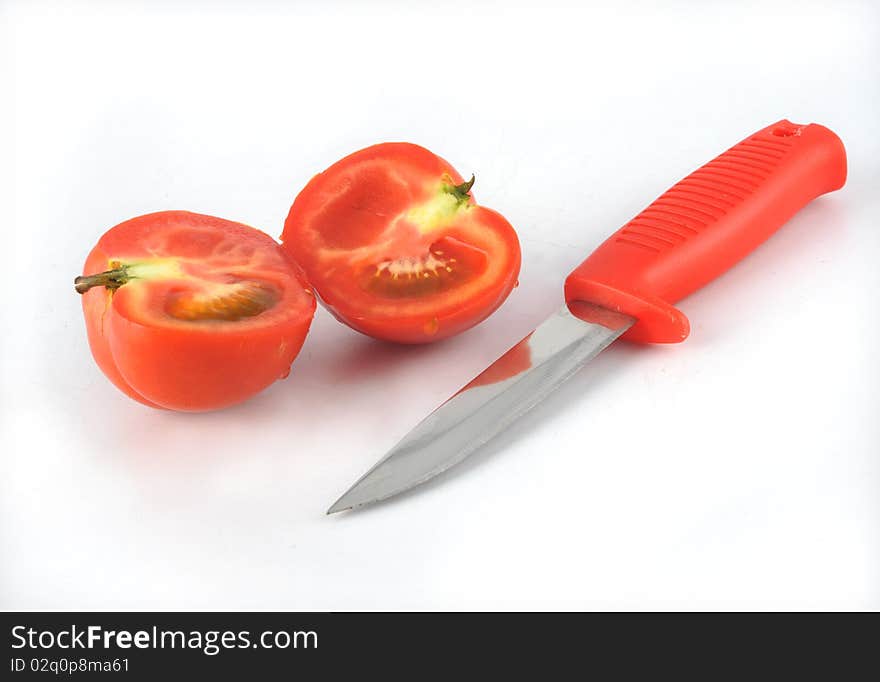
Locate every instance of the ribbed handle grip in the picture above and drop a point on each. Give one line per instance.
(705, 224)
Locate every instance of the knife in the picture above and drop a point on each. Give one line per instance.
(688, 236)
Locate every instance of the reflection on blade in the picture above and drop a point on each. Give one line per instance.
(505, 390)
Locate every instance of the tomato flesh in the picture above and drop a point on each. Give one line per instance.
(196, 313)
(395, 246)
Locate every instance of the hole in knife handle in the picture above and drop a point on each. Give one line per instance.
(786, 130)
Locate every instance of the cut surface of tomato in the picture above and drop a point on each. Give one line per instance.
(190, 312)
(395, 246)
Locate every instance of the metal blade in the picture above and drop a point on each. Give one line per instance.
(510, 386)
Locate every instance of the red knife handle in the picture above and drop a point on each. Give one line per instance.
(705, 224)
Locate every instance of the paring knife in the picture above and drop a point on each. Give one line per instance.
(691, 234)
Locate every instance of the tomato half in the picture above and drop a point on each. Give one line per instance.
(189, 312)
(395, 246)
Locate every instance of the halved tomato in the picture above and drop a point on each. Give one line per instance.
(189, 312)
(395, 246)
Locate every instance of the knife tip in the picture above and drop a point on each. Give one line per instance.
(354, 498)
(339, 506)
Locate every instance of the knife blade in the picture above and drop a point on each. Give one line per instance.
(692, 233)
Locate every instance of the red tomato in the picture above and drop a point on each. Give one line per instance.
(190, 312)
(395, 247)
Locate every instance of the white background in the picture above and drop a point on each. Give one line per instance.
(737, 470)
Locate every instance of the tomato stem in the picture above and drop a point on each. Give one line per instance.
(461, 191)
(112, 279)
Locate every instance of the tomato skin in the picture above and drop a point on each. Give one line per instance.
(95, 303)
(350, 206)
(193, 366)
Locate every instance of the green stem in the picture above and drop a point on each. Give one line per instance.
(112, 279)
(461, 191)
